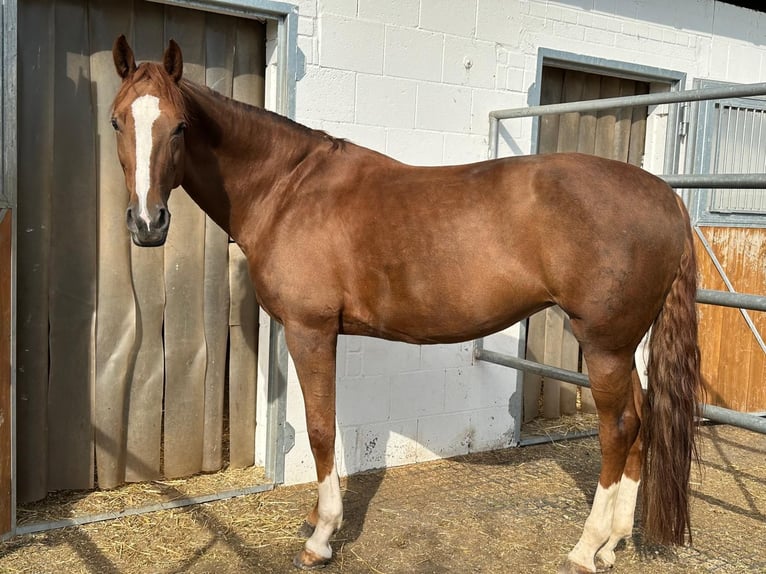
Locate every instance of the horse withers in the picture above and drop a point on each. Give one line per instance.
(342, 240)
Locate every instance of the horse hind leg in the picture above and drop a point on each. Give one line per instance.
(625, 506)
(613, 379)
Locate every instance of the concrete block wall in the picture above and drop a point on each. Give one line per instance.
(416, 79)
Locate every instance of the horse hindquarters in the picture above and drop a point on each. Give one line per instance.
(670, 408)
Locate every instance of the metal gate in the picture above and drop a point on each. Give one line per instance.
(754, 182)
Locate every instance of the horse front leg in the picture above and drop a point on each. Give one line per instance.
(611, 516)
(313, 351)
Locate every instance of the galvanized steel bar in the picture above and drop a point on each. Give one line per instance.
(747, 421)
(557, 373)
(755, 181)
(735, 300)
(723, 92)
(717, 414)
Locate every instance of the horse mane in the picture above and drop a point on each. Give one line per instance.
(182, 96)
(189, 88)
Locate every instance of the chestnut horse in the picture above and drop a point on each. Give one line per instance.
(343, 240)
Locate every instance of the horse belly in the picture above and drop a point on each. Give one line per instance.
(461, 304)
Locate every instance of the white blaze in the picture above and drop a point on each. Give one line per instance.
(146, 110)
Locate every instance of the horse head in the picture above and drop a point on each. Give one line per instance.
(149, 120)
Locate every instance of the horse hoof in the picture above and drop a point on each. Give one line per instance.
(569, 567)
(306, 529)
(603, 564)
(307, 560)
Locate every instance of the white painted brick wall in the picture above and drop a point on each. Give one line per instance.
(392, 75)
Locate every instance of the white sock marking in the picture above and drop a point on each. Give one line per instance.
(330, 515)
(146, 110)
(598, 527)
(622, 523)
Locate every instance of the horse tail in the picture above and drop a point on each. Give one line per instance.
(671, 407)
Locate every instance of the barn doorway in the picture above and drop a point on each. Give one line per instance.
(133, 365)
(619, 134)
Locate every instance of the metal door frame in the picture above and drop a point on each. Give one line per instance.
(282, 24)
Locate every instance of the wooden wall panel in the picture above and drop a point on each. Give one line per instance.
(732, 360)
(242, 360)
(116, 324)
(35, 147)
(6, 420)
(147, 381)
(248, 87)
(136, 338)
(72, 257)
(185, 348)
(220, 35)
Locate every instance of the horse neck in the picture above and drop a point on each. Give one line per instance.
(236, 155)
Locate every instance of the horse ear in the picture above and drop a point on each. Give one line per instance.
(173, 61)
(124, 61)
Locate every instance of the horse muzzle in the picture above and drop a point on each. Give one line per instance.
(149, 229)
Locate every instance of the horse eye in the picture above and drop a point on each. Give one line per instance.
(115, 125)
(180, 128)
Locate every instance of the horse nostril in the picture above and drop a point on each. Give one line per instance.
(129, 219)
(163, 219)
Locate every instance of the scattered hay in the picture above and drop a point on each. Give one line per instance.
(81, 503)
(560, 428)
(514, 510)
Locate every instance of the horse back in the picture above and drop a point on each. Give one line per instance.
(386, 248)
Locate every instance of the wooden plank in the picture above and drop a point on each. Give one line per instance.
(586, 142)
(754, 272)
(587, 403)
(710, 320)
(72, 259)
(735, 350)
(248, 86)
(146, 383)
(570, 359)
(185, 348)
(554, 334)
(569, 124)
(117, 318)
(638, 129)
(623, 123)
(605, 120)
(35, 133)
(551, 90)
(6, 269)
(739, 384)
(219, 59)
(535, 350)
(243, 319)
(250, 62)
